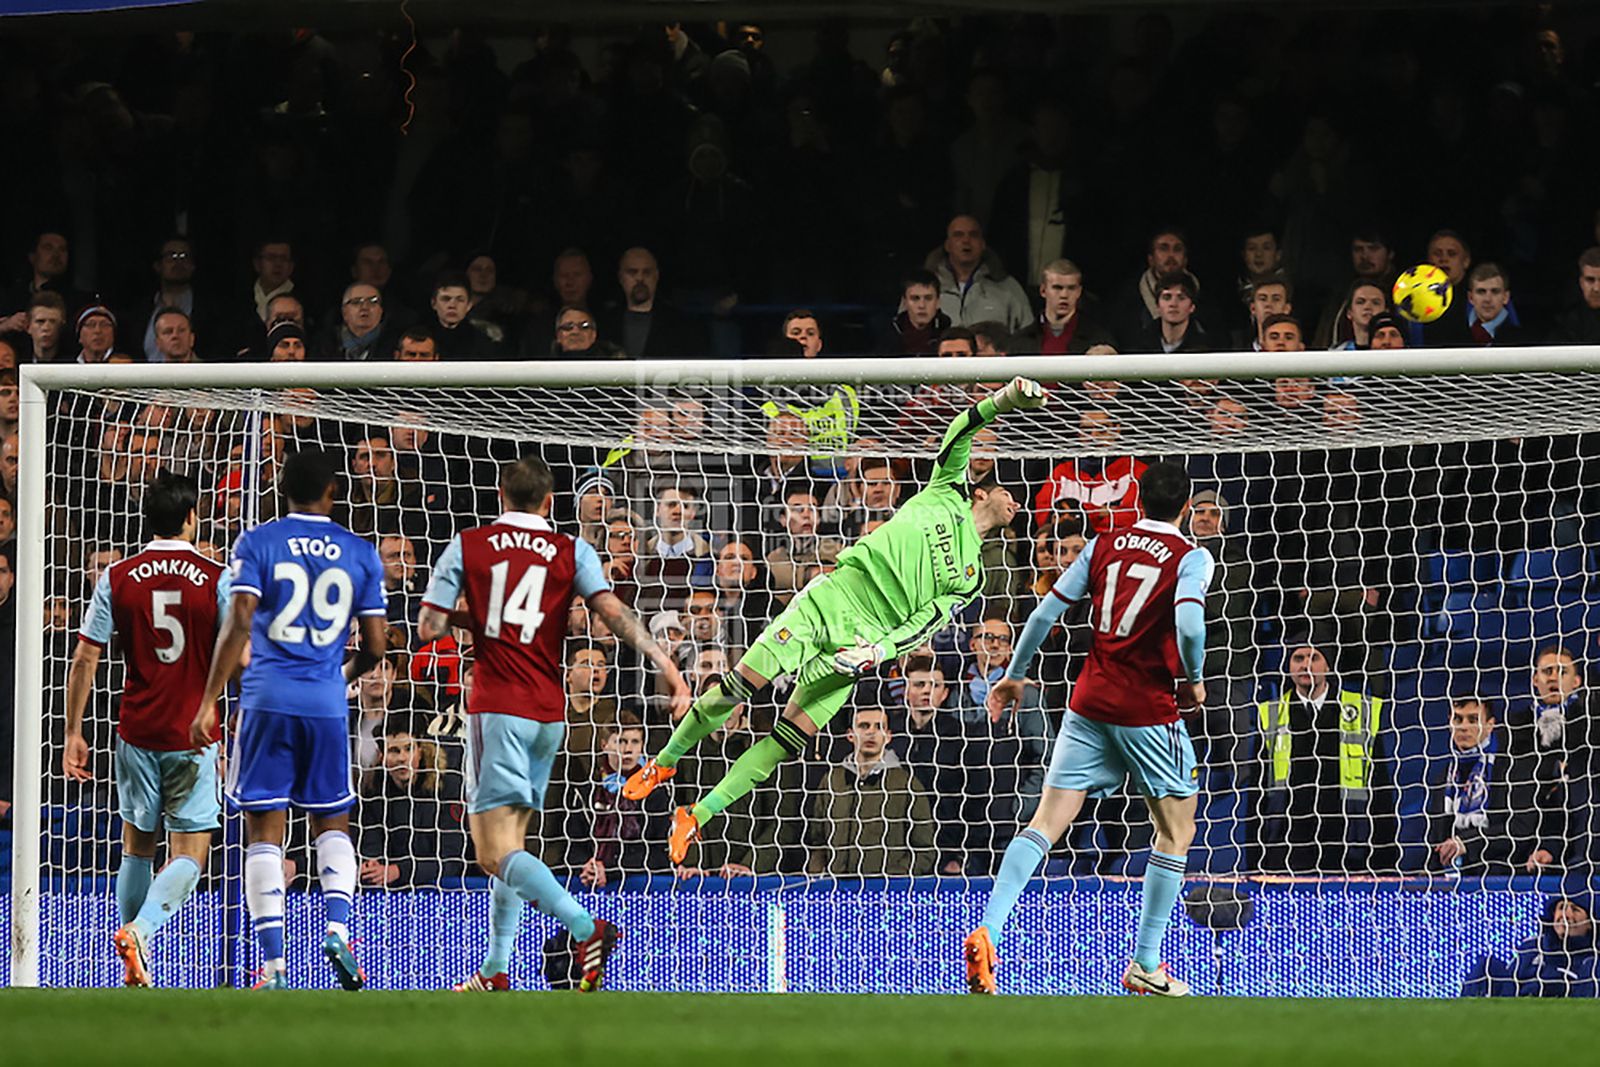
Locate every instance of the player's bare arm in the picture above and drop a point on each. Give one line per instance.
(80, 680)
(374, 642)
(432, 623)
(609, 608)
(231, 642)
(1003, 697)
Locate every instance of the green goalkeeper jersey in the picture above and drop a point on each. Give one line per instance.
(913, 572)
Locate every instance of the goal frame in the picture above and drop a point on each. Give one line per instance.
(37, 383)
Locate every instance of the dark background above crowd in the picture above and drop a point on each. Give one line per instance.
(775, 165)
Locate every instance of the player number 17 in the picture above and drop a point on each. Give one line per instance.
(1146, 576)
(521, 608)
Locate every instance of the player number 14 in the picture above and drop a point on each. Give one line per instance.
(1146, 576)
(519, 609)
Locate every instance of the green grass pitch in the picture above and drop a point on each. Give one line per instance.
(172, 1028)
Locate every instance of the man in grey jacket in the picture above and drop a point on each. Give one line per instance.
(973, 284)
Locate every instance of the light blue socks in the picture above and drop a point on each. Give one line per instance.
(505, 919)
(535, 883)
(133, 884)
(167, 894)
(1022, 859)
(1163, 878)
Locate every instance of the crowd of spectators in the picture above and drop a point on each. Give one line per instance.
(985, 187)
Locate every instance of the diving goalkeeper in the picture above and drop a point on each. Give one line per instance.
(891, 591)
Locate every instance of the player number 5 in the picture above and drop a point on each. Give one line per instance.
(162, 601)
(522, 607)
(1146, 576)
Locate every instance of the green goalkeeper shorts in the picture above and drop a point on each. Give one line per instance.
(802, 641)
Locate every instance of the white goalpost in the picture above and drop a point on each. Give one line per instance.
(1424, 519)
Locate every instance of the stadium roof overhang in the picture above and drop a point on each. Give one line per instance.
(254, 14)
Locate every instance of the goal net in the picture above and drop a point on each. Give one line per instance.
(1398, 629)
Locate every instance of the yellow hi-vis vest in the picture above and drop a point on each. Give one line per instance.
(1358, 727)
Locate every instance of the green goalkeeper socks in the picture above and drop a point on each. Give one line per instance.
(706, 714)
(747, 772)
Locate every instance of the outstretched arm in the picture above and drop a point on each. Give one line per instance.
(1068, 589)
(1071, 587)
(1189, 619)
(610, 609)
(950, 468)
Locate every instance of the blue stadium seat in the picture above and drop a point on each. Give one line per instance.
(1470, 568)
(1466, 609)
(1545, 576)
(1435, 685)
(1406, 656)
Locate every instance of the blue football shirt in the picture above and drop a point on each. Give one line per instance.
(313, 576)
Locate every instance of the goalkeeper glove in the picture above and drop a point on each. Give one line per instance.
(1021, 394)
(860, 660)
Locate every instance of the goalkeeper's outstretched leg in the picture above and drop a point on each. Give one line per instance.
(820, 693)
(709, 711)
(816, 625)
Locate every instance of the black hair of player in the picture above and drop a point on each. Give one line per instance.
(168, 500)
(526, 482)
(1164, 490)
(988, 483)
(307, 475)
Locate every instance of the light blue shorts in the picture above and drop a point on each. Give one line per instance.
(509, 760)
(1098, 757)
(178, 789)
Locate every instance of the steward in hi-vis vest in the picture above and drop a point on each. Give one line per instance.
(1327, 802)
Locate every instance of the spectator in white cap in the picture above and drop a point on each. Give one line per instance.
(97, 333)
(668, 628)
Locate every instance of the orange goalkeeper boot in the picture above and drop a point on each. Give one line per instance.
(685, 832)
(135, 957)
(981, 961)
(643, 781)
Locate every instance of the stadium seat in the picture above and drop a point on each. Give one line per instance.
(1545, 576)
(1406, 656)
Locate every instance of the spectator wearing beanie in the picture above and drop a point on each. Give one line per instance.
(286, 343)
(97, 333)
(1387, 332)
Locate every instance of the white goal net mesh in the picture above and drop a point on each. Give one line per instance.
(1405, 603)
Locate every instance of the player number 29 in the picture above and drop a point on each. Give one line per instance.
(331, 597)
(1146, 576)
(521, 608)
